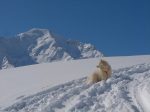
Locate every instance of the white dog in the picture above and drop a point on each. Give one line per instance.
(103, 72)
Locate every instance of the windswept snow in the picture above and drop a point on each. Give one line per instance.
(127, 90)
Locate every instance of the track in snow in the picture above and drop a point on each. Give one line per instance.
(127, 91)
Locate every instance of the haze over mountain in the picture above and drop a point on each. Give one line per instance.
(40, 46)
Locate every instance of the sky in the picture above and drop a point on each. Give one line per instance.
(115, 27)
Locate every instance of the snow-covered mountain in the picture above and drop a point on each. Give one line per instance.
(61, 87)
(40, 46)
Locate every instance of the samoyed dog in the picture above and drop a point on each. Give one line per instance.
(103, 72)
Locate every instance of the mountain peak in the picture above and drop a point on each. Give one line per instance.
(36, 33)
(40, 46)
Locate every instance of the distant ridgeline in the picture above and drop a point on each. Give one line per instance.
(40, 46)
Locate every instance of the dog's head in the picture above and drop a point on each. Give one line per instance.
(103, 65)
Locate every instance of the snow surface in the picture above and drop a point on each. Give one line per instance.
(61, 87)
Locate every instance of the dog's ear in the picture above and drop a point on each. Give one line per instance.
(101, 61)
(97, 66)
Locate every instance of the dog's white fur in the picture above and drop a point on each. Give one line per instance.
(103, 72)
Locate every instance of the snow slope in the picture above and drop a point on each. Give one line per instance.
(40, 46)
(61, 87)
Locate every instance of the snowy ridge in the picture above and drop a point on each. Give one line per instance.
(6, 64)
(127, 90)
(41, 46)
(38, 88)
